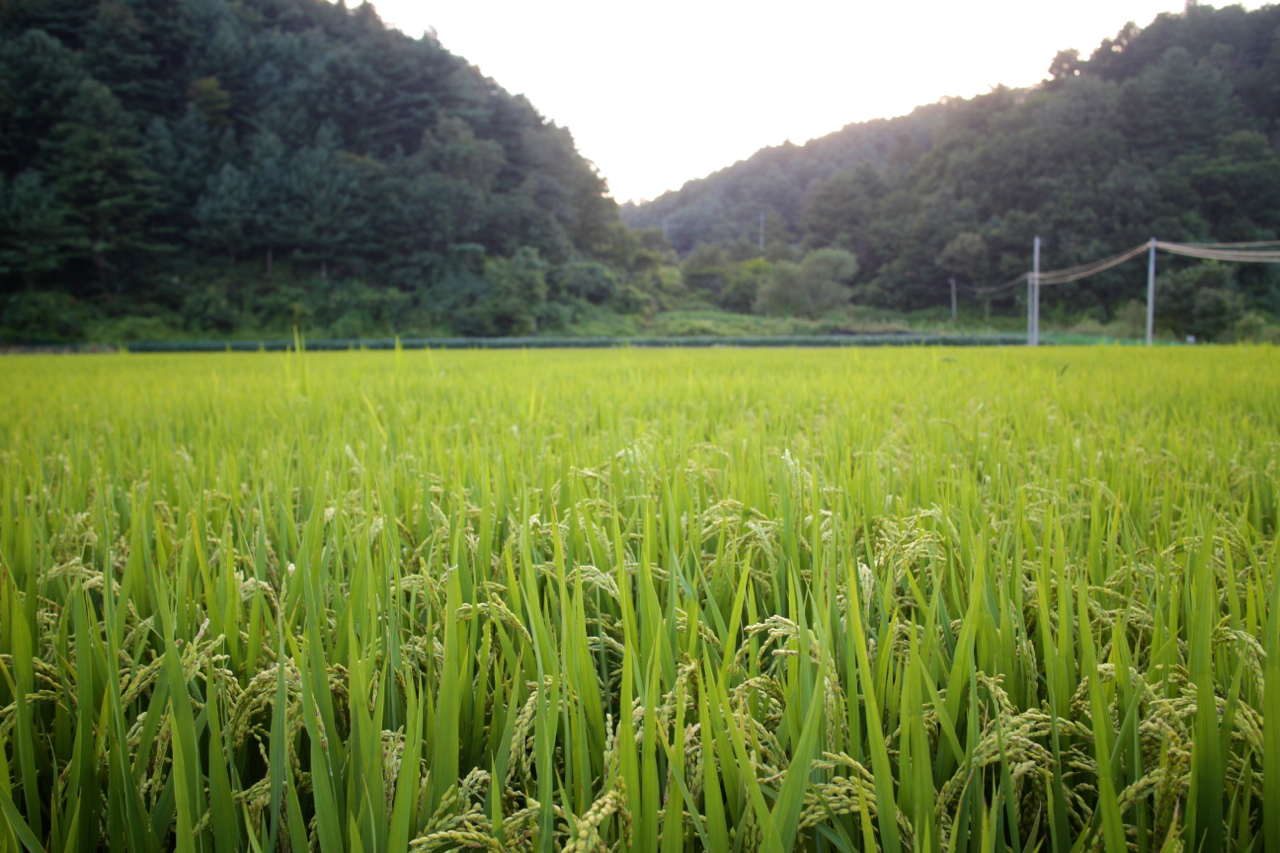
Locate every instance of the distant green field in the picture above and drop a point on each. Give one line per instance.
(733, 600)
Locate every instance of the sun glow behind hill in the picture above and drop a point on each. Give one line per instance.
(659, 95)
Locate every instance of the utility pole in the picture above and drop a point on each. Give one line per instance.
(1035, 302)
(1031, 313)
(762, 230)
(665, 220)
(1151, 292)
(953, 301)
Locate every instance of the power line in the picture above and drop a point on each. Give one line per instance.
(1211, 253)
(1236, 245)
(996, 288)
(1085, 270)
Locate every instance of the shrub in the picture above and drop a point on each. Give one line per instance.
(1132, 319)
(517, 290)
(744, 285)
(811, 288)
(209, 309)
(1201, 300)
(42, 316)
(588, 280)
(1253, 327)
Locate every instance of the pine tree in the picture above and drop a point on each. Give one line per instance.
(225, 211)
(39, 76)
(267, 182)
(98, 171)
(182, 155)
(35, 238)
(139, 48)
(325, 215)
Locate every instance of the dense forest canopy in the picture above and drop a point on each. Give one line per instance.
(233, 157)
(1170, 131)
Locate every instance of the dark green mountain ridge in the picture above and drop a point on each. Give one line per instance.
(276, 163)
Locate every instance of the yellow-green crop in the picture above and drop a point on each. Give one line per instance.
(926, 600)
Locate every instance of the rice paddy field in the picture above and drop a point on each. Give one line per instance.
(637, 600)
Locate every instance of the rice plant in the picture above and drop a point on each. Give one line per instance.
(640, 600)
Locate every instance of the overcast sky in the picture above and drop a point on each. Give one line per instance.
(657, 93)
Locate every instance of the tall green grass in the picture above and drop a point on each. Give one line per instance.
(918, 600)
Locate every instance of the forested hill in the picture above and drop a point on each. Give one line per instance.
(725, 206)
(232, 160)
(1169, 130)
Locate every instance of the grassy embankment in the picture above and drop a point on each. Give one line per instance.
(600, 322)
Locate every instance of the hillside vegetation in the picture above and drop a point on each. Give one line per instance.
(217, 169)
(215, 165)
(1167, 131)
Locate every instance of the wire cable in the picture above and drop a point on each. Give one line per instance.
(1233, 252)
(1256, 245)
(1061, 276)
(996, 288)
(1085, 270)
(1194, 250)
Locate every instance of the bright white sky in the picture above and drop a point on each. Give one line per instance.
(657, 93)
